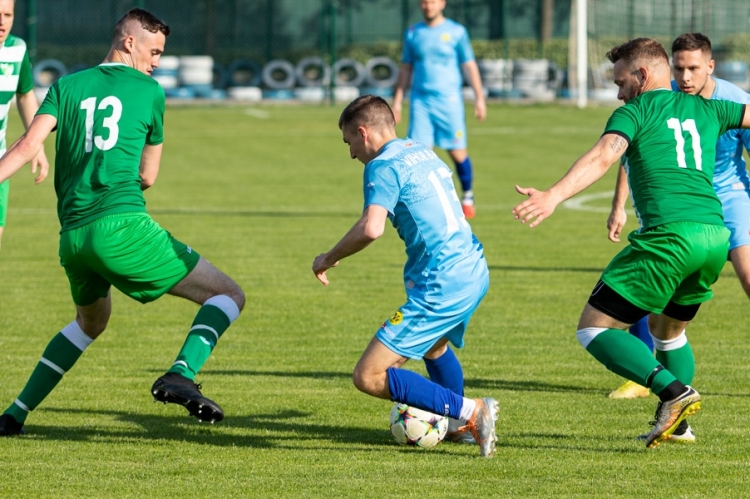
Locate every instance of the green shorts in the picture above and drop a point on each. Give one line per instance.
(128, 251)
(4, 190)
(676, 262)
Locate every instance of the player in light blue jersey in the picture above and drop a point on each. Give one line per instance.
(445, 275)
(435, 52)
(693, 66)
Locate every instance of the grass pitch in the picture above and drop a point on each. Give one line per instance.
(260, 191)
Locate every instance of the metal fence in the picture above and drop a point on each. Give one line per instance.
(77, 32)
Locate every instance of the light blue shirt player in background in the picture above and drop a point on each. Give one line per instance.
(693, 67)
(435, 52)
(445, 276)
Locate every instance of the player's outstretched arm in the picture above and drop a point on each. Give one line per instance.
(27, 147)
(149, 167)
(365, 231)
(618, 217)
(475, 80)
(27, 108)
(404, 77)
(588, 169)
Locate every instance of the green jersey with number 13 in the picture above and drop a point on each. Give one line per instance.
(671, 154)
(105, 116)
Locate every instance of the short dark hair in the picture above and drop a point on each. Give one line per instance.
(369, 110)
(147, 20)
(638, 48)
(691, 42)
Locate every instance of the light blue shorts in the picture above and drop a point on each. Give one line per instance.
(419, 324)
(736, 205)
(438, 121)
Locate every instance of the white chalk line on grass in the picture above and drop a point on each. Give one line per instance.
(579, 203)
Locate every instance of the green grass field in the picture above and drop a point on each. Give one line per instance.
(260, 192)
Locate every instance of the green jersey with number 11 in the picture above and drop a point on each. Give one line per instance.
(105, 116)
(671, 154)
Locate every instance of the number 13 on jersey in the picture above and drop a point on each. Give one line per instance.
(109, 122)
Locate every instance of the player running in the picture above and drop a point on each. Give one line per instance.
(109, 122)
(435, 52)
(669, 142)
(445, 276)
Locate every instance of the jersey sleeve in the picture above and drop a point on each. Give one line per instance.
(729, 113)
(51, 103)
(381, 186)
(25, 78)
(623, 122)
(155, 134)
(464, 50)
(407, 56)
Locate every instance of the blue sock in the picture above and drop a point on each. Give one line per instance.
(410, 388)
(446, 371)
(465, 174)
(640, 331)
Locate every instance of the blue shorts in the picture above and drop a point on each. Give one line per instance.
(419, 324)
(736, 205)
(438, 121)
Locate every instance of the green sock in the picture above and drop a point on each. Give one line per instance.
(58, 358)
(679, 362)
(208, 326)
(626, 355)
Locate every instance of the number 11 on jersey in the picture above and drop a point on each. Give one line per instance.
(688, 126)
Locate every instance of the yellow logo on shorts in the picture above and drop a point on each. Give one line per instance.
(459, 134)
(397, 318)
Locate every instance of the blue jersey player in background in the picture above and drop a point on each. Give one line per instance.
(445, 275)
(435, 52)
(692, 67)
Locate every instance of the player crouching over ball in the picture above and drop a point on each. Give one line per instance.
(445, 276)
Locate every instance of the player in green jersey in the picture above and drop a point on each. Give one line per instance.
(669, 141)
(109, 142)
(15, 80)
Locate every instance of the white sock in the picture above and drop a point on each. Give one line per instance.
(467, 409)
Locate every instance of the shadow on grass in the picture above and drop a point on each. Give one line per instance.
(546, 269)
(477, 383)
(259, 214)
(269, 430)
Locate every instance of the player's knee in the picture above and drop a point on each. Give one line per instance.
(237, 295)
(93, 327)
(363, 381)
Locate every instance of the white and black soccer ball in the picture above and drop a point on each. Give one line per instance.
(415, 427)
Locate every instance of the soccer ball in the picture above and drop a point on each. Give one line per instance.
(415, 427)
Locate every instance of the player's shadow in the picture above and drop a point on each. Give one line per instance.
(253, 214)
(527, 386)
(474, 383)
(512, 268)
(283, 429)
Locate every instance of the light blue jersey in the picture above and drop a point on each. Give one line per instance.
(444, 258)
(436, 54)
(730, 172)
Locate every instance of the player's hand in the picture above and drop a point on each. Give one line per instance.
(615, 223)
(40, 161)
(319, 267)
(539, 206)
(480, 109)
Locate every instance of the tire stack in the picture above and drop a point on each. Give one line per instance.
(496, 76)
(243, 79)
(381, 75)
(196, 75)
(45, 73)
(536, 79)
